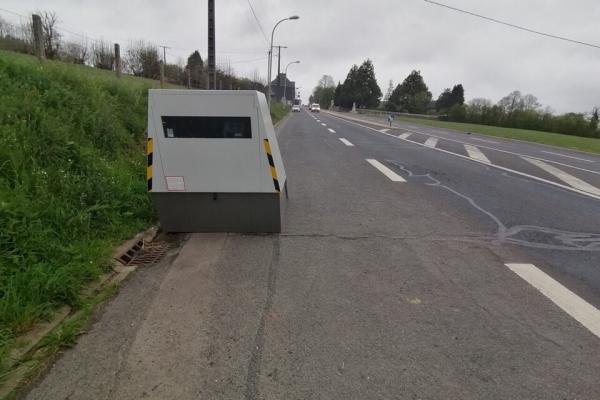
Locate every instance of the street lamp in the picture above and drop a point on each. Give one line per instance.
(286, 79)
(271, 57)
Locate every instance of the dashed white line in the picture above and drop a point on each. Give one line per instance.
(431, 142)
(564, 155)
(318, 120)
(330, 130)
(323, 124)
(476, 154)
(565, 177)
(394, 177)
(501, 168)
(352, 121)
(383, 130)
(585, 313)
(346, 142)
(404, 135)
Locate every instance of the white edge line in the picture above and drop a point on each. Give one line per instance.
(391, 175)
(564, 155)
(581, 192)
(582, 311)
(482, 146)
(346, 142)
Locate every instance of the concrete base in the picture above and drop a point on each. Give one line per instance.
(220, 212)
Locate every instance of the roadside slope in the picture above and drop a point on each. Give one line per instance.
(71, 181)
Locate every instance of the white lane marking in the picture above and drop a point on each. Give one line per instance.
(431, 142)
(565, 177)
(482, 146)
(394, 177)
(318, 120)
(512, 171)
(585, 313)
(483, 140)
(564, 155)
(476, 154)
(346, 142)
(384, 130)
(330, 130)
(323, 124)
(404, 135)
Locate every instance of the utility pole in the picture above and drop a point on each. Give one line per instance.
(212, 71)
(162, 66)
(38, 36)
(279, 62)
(118, 60)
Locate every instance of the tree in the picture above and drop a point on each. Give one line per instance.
(594, 119)
(337, 94)
(75, 52)
(348, 88)
(411, 95)
(51, 35)
(102, 55)
(444, 101)
(513, 101)
(326, 81)
(195, 66)
(142, 59)
(530, 102)
(458, 95)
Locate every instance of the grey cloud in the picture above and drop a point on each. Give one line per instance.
(398, 35)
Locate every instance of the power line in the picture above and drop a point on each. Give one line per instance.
(258, 22)
(513, 25)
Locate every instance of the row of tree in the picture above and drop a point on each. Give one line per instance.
(141, 58)
(525, 112)
(515, 110)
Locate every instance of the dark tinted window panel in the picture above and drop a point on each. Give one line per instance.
(207, 127)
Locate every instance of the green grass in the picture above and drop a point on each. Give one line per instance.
(555, 139)
(72, 181)
(279, 111)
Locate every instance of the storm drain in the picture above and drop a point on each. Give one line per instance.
(145, 253)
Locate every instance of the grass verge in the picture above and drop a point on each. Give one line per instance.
(72, 182)
(279, 111)
(590, 145)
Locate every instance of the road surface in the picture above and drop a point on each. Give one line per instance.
(411, 266)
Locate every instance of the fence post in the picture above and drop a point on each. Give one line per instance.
(38, 36)
(118, 60)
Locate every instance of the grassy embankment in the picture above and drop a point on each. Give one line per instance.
(278, 111)
(555, 139)
(72, 181)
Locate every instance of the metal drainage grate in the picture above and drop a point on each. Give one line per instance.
(130, 254)
(151, 253)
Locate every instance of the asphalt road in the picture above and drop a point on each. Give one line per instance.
(390, 281)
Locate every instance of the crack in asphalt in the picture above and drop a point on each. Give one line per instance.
(563, 240)
(254, 365)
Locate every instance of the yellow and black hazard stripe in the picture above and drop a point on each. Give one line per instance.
(272, 165)
(149, 152)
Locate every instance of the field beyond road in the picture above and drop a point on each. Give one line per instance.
(590, 145)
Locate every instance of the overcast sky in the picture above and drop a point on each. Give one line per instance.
(490, 60)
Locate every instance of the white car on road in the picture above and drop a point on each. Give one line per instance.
(295, 108)
(315, 108)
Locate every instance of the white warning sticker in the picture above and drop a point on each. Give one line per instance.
(175, 184)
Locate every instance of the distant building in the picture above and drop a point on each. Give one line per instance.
(281, 84)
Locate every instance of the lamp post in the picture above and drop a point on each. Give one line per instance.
(286, 79)
(271, 57)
